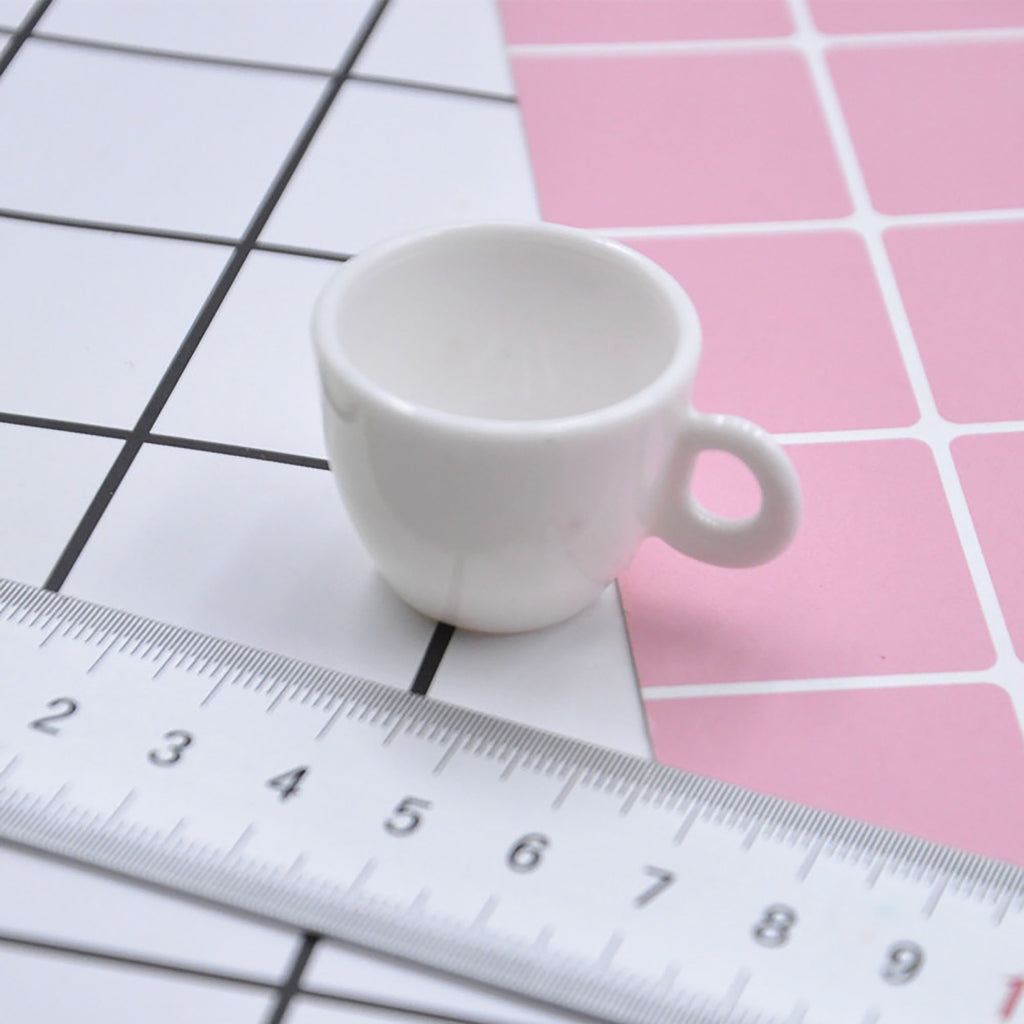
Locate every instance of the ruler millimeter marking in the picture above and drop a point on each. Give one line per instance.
(541, 865)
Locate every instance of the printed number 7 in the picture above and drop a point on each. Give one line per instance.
(663, 879)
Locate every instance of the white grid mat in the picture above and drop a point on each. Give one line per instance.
(178, 179)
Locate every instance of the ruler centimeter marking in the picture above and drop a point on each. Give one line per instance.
(540, 865)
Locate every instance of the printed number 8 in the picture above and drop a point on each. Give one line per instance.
(775, 925)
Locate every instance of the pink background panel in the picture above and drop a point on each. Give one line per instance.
(875, 582)
(942, 762)
(914, 15)
(936, 127)
(677, 138)
(628, 21)
(963, 289)
(795, 333)
(991, 468)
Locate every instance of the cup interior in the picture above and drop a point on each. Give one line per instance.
(507, 322)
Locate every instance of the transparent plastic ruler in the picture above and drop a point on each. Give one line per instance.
(546, 867)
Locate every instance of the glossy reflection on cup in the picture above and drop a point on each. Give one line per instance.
(507, 414)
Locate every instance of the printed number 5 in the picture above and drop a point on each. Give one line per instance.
(406, 817)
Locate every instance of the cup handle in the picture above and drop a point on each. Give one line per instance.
(690, 528)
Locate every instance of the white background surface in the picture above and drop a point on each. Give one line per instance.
(152, 164)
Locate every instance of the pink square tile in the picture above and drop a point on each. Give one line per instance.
(795, 333)
(875, 582)
(991, 468)
(936, 127)
(937, 761)
(963, 289)
(914, 15)
(677, 138)
(629, 21)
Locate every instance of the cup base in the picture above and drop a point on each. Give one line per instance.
(521, 617)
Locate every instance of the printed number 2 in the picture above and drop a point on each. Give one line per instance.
(62, 707)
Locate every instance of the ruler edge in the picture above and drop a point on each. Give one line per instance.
(543, 748)
(595, 994)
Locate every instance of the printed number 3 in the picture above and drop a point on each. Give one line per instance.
(177, 741)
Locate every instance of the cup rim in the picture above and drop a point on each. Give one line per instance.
(669, 383)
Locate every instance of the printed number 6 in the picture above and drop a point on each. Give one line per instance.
(527, 853)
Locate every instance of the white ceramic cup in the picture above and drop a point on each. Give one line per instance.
(507, 413)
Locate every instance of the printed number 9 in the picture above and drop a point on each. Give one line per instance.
(903, 963)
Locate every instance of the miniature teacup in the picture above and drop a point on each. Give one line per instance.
(507, 414)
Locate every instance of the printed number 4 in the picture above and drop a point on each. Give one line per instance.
(288, 784)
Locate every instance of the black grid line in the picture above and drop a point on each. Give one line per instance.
(410, 1010)
(67, 426)
(57, 220)
(238, 450)
(302, 250)
(21, 33)
(133, 445)
(439, 641)
(285, 990)
(83, 531)
(464, 92)
(138, 50)
(290, 989)
(127, 960)
(165, 440)
(112, 227)
(161, 53)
